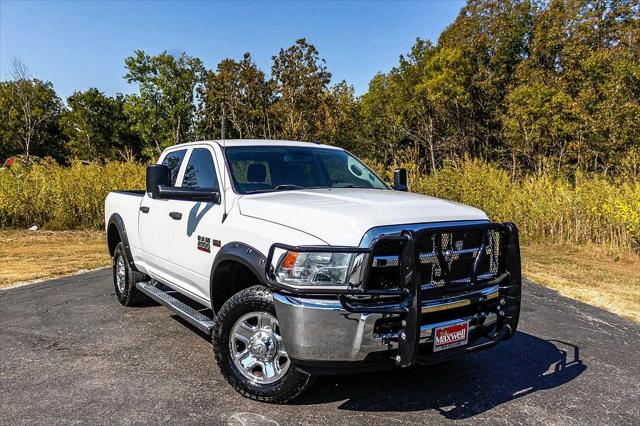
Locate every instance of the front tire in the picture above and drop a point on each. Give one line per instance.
(125, 278)
(249, 350)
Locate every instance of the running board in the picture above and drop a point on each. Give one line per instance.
(184, 311)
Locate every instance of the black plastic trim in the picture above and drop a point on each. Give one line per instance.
(133, 192)
(513, 291)
(376, 361)
(242, 253)
(116, 220)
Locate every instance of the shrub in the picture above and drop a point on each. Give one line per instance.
(58, 197)
(546, 208)
(555, 209)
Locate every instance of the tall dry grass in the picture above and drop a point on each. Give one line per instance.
(555, 209)
(586, 209)
(59, 197)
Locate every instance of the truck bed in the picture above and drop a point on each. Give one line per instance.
(125, 204)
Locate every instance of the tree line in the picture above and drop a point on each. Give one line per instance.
(535, 86)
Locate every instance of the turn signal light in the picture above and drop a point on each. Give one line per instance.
(289, 260)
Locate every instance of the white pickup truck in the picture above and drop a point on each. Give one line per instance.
(298, 260)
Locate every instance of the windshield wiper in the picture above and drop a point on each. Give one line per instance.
(349, 185)
(287, 186)
(277, 188)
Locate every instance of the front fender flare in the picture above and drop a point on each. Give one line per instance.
(244, 254)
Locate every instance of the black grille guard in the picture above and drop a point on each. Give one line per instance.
(406, 297)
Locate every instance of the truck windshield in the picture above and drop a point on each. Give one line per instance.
(276, 168)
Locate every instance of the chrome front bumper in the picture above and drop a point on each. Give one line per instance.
(320, 329)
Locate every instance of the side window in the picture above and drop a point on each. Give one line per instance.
(173, 160)
(200, 171)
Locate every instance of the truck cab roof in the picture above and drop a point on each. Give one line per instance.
(257, 142)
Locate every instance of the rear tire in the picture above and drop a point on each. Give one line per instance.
(249, 316)
(125, 278)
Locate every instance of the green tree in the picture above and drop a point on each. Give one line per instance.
(239, 91)
(587, 50)
(493, 37)
(29, 112)
(301, 82)
(395, 115)
(163, 113)
(539, 123)
(97, 128)
(444, 89)
(338, 117)
(419, 111)
(381, 121)
(608, 105)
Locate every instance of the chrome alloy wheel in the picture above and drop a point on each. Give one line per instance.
(256, 348)
(121, 276)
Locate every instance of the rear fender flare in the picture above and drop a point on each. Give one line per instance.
(116, 220)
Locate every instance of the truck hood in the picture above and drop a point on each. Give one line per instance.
(341, 216)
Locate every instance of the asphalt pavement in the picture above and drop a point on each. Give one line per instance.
(70, 353)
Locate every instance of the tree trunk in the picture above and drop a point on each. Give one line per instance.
(178, 130)
(431, 148)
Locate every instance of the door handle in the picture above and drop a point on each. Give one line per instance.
(175, 215)
(144, 209)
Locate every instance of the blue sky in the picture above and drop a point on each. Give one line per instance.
(82, 44)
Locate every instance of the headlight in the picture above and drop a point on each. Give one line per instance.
(314, 268)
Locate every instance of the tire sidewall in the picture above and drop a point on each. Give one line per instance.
(123, 297)
(225, 322)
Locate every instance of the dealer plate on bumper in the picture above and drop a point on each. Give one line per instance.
(451, 336)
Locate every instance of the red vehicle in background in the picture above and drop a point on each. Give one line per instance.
(9, 162)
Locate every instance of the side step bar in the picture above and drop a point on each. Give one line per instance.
(184, 311)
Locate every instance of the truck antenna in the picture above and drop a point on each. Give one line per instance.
(224, 155)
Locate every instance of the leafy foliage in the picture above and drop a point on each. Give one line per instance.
(535, 87)
(97, 128)
(533, 106)
(29, 114)
(163, 113)
(239, 95)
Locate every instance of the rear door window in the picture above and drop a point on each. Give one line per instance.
(173, 160)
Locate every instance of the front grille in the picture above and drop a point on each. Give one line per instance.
(446, 260)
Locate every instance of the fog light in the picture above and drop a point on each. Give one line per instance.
(503, 301)
(501, 313)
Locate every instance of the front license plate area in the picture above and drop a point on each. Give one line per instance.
(451, 336)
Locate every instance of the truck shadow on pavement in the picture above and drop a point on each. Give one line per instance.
(460, 388)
